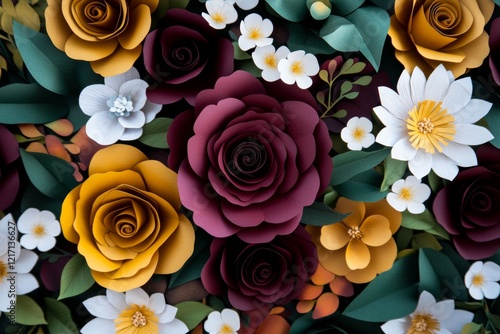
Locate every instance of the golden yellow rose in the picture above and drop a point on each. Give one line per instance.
(106, 33)
(125, 219)
(426, 33)
(361, 245)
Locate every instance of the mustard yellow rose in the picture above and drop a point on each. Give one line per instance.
(106, 33)
(426, 33)
(125, 219)
(361, 245)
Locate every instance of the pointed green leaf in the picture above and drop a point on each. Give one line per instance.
(393, 171)
(154, 134)
(424, 221)
(192, 313)
(291, 10)
(343, 7)
(351, 95)
(75, 278)
(59, 318)
(364, 187)
(28, 312)
(319, 214)
(351, 163)
(425, 240)
(302, 38)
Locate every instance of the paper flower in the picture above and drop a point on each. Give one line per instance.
(298, 67)
(40, 229)
(357, 133)
(429, 122)
(410, 194)
(9, 176)
(430, 317)
(220, 13)
(118, 109)
(262, 152)
(494, 42)
(227, 322)
(428, 33)
(108, 36)
(14, 259)
(185, 55)
(132, 312)
(267, 58)
(245, 4)
(125, 218)
(481, 280)
(361, 245)
(252, 275)
(255, 32)
(467, 207)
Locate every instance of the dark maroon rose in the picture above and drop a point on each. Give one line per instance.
(494, 59)
(468, 208)
(185, 55)
(256, 156)
(251, 275)
(9, 177)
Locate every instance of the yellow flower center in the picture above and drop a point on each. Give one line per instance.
(39, 230)
(478, 280)
(255, 33)
(3, 271)
(226, 329)
(270, 60)
(430, 127)
(297, 68)
(406, 194)
(219, 17)
(358, 134)
(424, 324)
(355, 233)
(136, 319)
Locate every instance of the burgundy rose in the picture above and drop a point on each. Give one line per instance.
(9, 177)
(253, 276)
(185, 55)
(468, 208)
(258, 154)
(494, 59)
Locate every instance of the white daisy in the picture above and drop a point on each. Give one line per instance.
(15, 272)
(220, 13)
(429, 122)
(255, 31)
(267, 58)
(357, 133)
(40, 229)
(245, 4)
(481, 280)
(225, 322)
(132, 312)
(298, 67)
(118, 109)
(409, 194)
(430, 317)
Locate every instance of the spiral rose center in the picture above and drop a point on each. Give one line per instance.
(444, 16)
(482, 202)
(100, 18)
(125, 228)
(183, 57)
(247, 159)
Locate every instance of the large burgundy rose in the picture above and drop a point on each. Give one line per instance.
(468, 207)
(251, 275)
(258, 154)
(185, 55)
(9, 176)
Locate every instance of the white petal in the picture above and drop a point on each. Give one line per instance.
(296, 55)
(282, 52)
(245, 43)
(46, 243)
(173, 327)
(457, 320)
(135, 90)
(26, 283)
(393, 103)
(134, 120)
(444, 166)
(403, 150)
(47, 216)
(456, 98)
(150, 110)
(252, 19)
(263, 41)
(267, 27)
(387, 118)
(417, 84)
(116, 299)
(437, 84)
(270, 75)
(422, 192)
(94, 98)
(404, 90)
(412, 181)
(462, 155)
(471, 134)
(99, 306)
(213, 322)
(104, 128)
(473, 111)
(26, 261)
(131, 134)
(491, 290)
(396, 202)
(29, 241)
(443, 309)
(311, 65)
(231, 318)
(421, 164)
(27, 220)
(476, 292)
(53, 228)
(157, 303)
(304, 82)
(354, 145)
(168, 314)
(396, 326)
(365, 123)
(415, 207)
(137, 296)
(491, 271)
(98, 325)
(390, 135)
(247, 4)
(116, 81)
(287, 77)
(466, 82)
(398, 186)
(367, 140)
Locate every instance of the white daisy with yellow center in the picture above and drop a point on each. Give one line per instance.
(298, 67)
(410, 194)
(429, 122)
(225, 322)
(220, 13)
(357, 133)
(430, 318)
(39, 228)
(255, 31)
(267, 58)
(482, 280)
(132, 312)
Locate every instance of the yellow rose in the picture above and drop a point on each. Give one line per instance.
(125, 219)
(106, 33)
(426, 33)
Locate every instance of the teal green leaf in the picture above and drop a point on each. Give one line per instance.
(387, 4)
(343, 7)
(391, 295)
(30, 103)
(351, 163)
(341, 34)
(239, 54)
(497, 2)
(393, 171)
(364, 187)
(75, 278)
(59, 319)
(28, 312)
(192, 313)
(154, 134)
(493, 119)
(291, 10)
(319, 214)
(302, 38)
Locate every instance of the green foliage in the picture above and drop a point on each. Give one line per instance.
(342, 7)
(75, 278)
(424, 221)
(59, 318)
(394, 170)
(364, 187)
(291, 10)
(154, 134)
(319, 214)
(302, 38)
(192, 313)
(28, 312)
(493, 119)
(352, 163)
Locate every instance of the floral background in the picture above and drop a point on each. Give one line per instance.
(246, 166)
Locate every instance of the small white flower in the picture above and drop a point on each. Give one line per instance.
(24, 261)
(245, 4)
(267, 58)
(40, 229)
(225, 322)
(255, 31)
(298, 67)
(430, 317)
(220, 13)
(118, 109)
(357, 133)
(132, 312)
(481, 280)
(409, 194)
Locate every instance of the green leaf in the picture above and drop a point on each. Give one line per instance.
(192, 313)
(59, 318)
(343, 7)
(75, 278)
(319, 214)
(239, 54)
(387, 4)
(345, 87)
(403, 238)
(52, 176)
(425, 240)
(398, 286)
(28, 312)
(351, 163)
(291, 10)
(354, 68)
(351, 95)
(471, 328)
(424, 221)
(363, 81)
(364, 187)
(308, 40)
(393, 171)
(154, 134)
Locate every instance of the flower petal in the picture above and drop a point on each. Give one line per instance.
(100, 307)
(357, 255)
(334, 236)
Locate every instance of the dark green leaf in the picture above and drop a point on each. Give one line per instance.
(343, 7)
(192, 313)
(239, 54)
(351, 163)
(425, 240)
(393, 171)
(319, 214)
(28, 312)
(424, 221)
(308, 40)
(291, 10)
(75, 278)
(59, 318)
(387, 4)
(154, 134)
(403, 238)
(364, 187)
